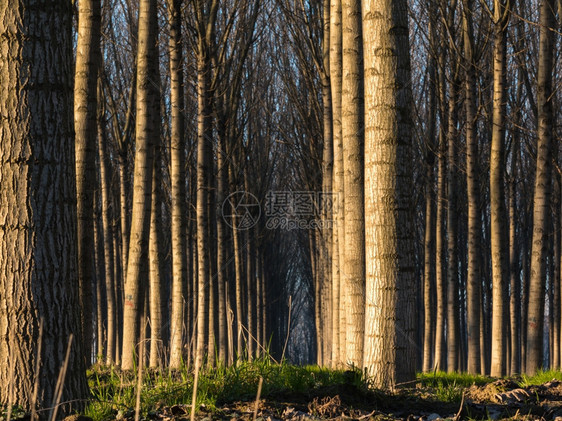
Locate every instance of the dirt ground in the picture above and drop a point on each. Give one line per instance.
(501, 400)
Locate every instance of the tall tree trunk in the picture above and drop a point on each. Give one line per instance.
(541, 201)
(453, 338)
(429, 292)
(106, 215)
(498, 223)
(38, 253)
(390, 355)
(204, 168)
(440, 239)
(177, 176)
(352, 118)
(336, 85)
(148, 103)
(88, 56)
(325, 235)
(473, 192)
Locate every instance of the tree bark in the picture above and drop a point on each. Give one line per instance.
(352, 118)
(389, 353)
(541, 201)
(147, 103)
(38, 252)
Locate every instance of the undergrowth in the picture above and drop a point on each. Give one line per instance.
(114, 391)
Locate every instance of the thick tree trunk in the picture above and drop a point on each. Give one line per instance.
(390, 354)
(38, 253)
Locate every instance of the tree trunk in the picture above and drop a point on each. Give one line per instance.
(147, 104)
(390, 354)
(336, 85)
(541, 201)
(177, 178)
(38, 253)
(498, 222)
(352, 119)
(473, 193)
(88, 58)
(453, 338)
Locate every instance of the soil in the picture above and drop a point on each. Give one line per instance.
(500, 400)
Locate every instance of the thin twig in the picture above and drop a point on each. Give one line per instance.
(288, 328)
(34, 415)
(195, 385)
(256, 405)
(60, 381)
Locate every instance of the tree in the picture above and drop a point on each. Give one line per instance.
(541, 201)
(338, 338)
(179, 217)
(498, 214)
(38, 254)
(148, 100)
(473, 193)
(353, 279)
(389, 353)
(88, 57)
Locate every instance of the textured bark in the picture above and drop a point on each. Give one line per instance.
(109, 263)
(440, 361)
(204, 168)
(353, 279)
(473, 193)
(178, 179)
(88, 57)
(389, 353)
(38, 254)
(147, 103)
(429, 292)
(498, 224)
(157, 302)
(336, 85)
(541, 201)
(325, 235)
(515, 280)
(453, 337)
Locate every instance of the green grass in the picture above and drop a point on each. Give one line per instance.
(449, 387)
(115, 391)
(540, 377)
(459, 379)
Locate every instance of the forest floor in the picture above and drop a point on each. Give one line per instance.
(499, 400)
(312, 393)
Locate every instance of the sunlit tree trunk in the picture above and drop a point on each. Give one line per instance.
(177, 178)
(541, 202)
(353, 281)
(147, 104)
(390, 354)
(38, 252)
(325, 284)
(85, 111)
(498, 223)
(336, 85)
